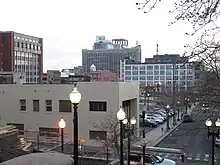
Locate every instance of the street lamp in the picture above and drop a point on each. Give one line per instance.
(167, 108)
(143, 150)
(186, 104)
(214, 134)
(147, 96)
(75, 97)
(178, 111)
(62, 125)
(121, 117)
(129, 130)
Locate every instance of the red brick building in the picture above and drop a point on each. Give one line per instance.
(103, 76)
(22, 53)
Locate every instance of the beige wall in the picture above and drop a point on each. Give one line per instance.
(112, 92)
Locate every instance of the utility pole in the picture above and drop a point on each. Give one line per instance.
(174, 93)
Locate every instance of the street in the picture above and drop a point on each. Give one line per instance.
(192, 139)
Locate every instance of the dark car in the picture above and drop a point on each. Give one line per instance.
(149, 123)
(187, 118)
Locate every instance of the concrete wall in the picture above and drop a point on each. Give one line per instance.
(112, 92)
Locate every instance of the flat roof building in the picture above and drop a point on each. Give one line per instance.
(22, 53)
(38, 108)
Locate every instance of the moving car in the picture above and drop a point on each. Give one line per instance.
(157, 116)
(187, 118)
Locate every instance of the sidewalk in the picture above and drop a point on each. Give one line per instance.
(157, 135)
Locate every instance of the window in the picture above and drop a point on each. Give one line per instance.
(135, 72)
(20, 127)
(97, 135)
(65, 106)
(128, 78)
(134, 67)
(128, 72)
(97, 106)
(36, 107)
(142, 72)
(156, 67)
(134, 77)
(49, 132)
(48, 105)
(22, 105)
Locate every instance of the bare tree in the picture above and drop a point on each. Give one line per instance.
(111, 126)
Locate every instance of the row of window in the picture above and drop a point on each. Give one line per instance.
(157, 72)
(27, 46)
(169, 83)
(157, 67)
(64, 105)
(159, 77)
(54, 132)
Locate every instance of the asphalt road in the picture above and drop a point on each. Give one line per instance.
(192, 139)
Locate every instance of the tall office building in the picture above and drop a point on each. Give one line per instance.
(106, 55)
(22, 53)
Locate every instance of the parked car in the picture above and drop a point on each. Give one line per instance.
(187, 118)
(149, 123)
(150, 160)
(159, 121)
(157, 116)
(217, 142)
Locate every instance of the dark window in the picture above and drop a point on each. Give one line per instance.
(97, 135)
(49, 132)
(48, 105)
(22, 105)
(36, 106)
(98, 106)
(20, 127)
(65, 106)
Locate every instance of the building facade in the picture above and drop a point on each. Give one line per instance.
(22, 53)
(38, 108)
(12, 78)
(185, 74)
(52, 77)
(103, 76)
(108, 57)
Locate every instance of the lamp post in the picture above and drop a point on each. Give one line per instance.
(75, 98)
(143, 151)
(214, 134)
(186, 104)
(167, 108)
(147, 97)
(132, 122)
(178, 111)
(62, 125)
(121, 117)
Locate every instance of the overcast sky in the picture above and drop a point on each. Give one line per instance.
(68, 26)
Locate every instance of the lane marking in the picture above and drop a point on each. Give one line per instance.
(206, 160)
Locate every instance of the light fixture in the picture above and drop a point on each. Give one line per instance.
(208, 123)
(217, 123)
(125, 121)
(121, 114)
(168, 106)
(133, 121)
(75, 96)
(62, 123)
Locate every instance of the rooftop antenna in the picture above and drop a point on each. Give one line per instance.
(157, 49)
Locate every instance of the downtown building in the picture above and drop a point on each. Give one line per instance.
(22, 53)
(165, 70)
(106, 55)
(35, 109)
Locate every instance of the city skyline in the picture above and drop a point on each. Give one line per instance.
(65, 34)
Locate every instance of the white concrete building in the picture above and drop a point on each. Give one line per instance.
(39, 107)
(186, 75)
